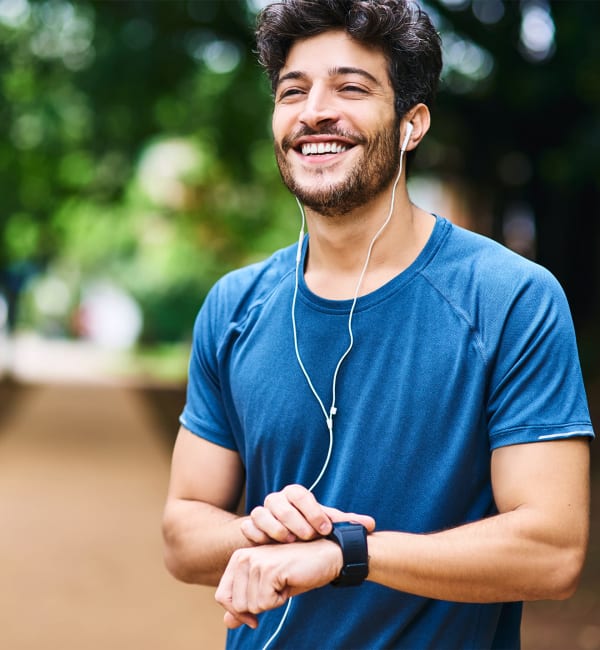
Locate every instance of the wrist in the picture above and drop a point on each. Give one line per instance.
(333, 557)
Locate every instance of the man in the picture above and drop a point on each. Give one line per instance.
(390, 365)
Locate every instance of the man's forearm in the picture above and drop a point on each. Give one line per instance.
(199, 540)
(504, 558)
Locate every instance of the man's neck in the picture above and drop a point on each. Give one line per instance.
(339, 246)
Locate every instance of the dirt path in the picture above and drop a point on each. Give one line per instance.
(83, 473)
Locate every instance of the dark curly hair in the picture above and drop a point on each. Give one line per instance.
(399, 28)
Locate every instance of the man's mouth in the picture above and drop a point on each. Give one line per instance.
(319, 148)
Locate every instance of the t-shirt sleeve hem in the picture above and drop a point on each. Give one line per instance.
(522, 435)
(201, 430)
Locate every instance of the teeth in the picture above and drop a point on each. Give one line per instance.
(311, 148)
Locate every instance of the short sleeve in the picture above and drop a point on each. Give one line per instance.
(536, 390)
(204, 413)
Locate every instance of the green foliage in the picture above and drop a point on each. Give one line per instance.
(90, 88)
(135, 142)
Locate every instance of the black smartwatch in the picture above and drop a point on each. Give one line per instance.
(352, 539)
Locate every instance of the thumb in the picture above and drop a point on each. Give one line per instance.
(338, 515)
(232, 621)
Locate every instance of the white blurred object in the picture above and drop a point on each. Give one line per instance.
(52, 296)
(538, 31)
(3, 313)
(110, 317)
(162, 170)
(5, 349)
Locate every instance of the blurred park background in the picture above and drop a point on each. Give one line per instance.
(136, 168)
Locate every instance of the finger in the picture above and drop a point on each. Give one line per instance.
(223, 591)
(254, 534)
(271, 591)
(298, 509)
(232, 578)
(253, 587)
(338, 515)
(284, 512)
(265, 522)
(233, 622)
(239, 586)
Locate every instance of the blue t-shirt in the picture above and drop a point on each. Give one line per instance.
(469, 349)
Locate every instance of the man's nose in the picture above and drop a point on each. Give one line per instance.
(319, 108)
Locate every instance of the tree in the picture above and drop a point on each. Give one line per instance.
(95, 92)
(527, 133)
(90, 87)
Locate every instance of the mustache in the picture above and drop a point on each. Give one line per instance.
(288, 141)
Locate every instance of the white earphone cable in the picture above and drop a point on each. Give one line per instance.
(333, 408)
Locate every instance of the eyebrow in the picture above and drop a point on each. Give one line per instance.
(350, 70)
(333, 72)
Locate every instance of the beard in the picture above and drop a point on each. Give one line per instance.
(371, 174)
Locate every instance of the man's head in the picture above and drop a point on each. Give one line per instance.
(347, 75)
(399, 28)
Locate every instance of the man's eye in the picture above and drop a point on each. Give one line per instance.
(289, 92)
(353, 89)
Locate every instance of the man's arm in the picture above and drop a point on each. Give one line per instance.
(200, 527)
(533, 549)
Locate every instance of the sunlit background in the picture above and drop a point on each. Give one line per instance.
(136, 168)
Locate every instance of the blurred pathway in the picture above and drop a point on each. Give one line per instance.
(83, 475)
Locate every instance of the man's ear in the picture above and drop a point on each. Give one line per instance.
(420, 119)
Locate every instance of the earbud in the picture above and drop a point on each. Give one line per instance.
(409, 130)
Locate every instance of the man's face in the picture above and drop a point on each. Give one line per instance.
(336, 134)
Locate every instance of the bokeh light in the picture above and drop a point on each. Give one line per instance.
(537, 31)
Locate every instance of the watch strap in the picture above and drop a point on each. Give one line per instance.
(352, 539)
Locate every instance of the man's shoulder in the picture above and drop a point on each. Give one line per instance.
(487, 285)
(472, 259)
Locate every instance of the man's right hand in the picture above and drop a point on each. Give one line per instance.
(294, 514)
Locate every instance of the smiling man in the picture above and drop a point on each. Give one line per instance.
(401, 399)
(335, 165)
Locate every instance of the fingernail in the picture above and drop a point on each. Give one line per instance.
(325, 527)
